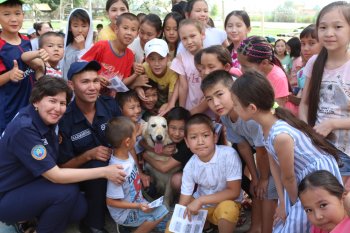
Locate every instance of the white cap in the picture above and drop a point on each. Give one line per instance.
(158, 46)
(30, 31)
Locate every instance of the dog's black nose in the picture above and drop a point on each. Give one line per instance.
(159, 137)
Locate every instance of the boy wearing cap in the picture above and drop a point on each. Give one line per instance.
(82, 140)
(157, 69)
(16, 78)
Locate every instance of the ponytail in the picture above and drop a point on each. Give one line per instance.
(313, 98)
(316, 139)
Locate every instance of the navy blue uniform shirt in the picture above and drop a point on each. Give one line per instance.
(28, 148)
(76, 132)
(14, 95)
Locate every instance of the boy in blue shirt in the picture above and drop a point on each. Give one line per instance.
(16, 78)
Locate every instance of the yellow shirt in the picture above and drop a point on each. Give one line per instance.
(107, 33)
(166, 83)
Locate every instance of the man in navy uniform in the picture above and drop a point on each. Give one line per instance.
(82, 140)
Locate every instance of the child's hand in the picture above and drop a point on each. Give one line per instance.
(141, 93)
(80, 42)
(261, 188)
(164, 109)
(324, 128)
(141, 81)
(43, 55)
(169, 150)
(192, 208)
(280, 214)
(138, 68)
(104, 81)
(145, 179)
(16, 74)
(145, 208)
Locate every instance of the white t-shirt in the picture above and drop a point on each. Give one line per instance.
(129, 191)
(139, 52)
(241, 130)
(334, 100)
(211, 177)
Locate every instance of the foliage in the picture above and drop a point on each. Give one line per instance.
(285, 12)
(214, 11)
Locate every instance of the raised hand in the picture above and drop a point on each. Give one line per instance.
(16, 74)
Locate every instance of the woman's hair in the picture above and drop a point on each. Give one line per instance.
(190, 4)
(78, 14)
(49, 86)
(109, 3)
(123, 97)
(309, 31)
(295, 47)
(178, 114)
(222, 54)
(180, 8)
(118, 129)
(241, 14)
(192, 22)
(322, 179)
(313, 98)
(154, 21)
(254, 88)
(177, 17)
(280, 40)
(38, 26)
(216, 77)
(199, 118)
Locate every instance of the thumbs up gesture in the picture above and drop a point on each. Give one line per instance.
(16, 74)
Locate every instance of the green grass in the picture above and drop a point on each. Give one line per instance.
(269, 31)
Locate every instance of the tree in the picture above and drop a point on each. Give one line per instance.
(285, 12)
(214, 11)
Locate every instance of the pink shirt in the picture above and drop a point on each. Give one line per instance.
(278, 81)
(342, 227)
(183, 64)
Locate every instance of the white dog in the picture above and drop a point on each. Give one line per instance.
(155, 133)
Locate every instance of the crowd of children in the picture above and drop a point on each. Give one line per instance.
(284, 110)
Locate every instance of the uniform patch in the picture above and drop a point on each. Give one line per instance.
(39, 152)
(80, 135)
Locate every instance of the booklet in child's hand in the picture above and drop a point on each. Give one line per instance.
(156, 203)
(118, 85)
(179, 224)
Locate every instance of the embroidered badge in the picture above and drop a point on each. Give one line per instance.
(39, 152)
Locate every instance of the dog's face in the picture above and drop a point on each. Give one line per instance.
(156, 132)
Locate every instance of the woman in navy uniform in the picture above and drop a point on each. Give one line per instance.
(31, 184)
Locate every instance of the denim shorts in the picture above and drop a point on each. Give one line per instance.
(345, 161)
(136, 216)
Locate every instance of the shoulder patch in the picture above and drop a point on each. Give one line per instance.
(39, 152)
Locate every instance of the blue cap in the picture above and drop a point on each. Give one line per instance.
(79, 66)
